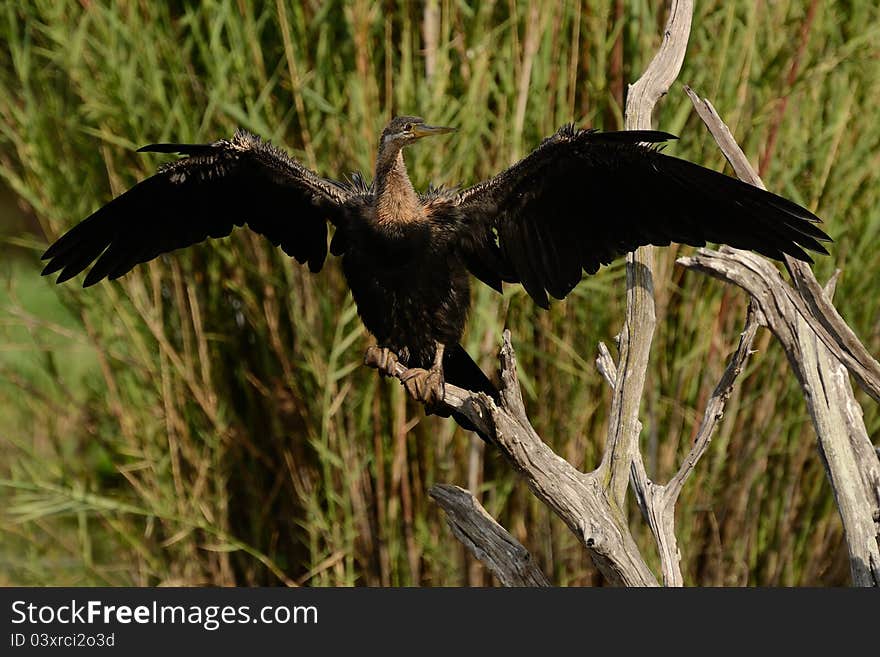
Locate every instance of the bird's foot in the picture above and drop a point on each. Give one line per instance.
(425, 386)
(382, 359)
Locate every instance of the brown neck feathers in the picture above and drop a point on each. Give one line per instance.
(396, 200)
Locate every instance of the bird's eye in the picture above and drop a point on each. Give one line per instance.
(408, 127)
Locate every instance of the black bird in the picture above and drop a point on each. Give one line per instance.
(578, 201)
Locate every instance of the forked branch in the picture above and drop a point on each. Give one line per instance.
(624, 426)
(818, 344)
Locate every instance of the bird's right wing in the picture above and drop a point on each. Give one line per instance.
(218, 186)
(584, 198)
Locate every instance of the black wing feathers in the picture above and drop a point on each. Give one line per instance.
(205, 195)
(584, 198)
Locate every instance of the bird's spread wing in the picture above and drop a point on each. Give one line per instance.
(583, 198)
(218, 186)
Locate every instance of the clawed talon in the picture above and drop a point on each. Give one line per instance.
(426, 386)
(382, 358)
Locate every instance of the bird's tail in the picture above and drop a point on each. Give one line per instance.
(460, 370)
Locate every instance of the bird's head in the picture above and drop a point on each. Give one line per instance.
(404, 130)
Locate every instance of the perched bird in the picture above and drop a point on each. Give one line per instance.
(578, 201)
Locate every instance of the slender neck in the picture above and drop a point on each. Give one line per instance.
(397, 201)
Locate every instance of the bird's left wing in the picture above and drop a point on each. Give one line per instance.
(584, 198)
(218, 186)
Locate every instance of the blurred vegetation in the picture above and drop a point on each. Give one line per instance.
(206, 420)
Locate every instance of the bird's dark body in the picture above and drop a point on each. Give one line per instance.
(411, 289)
(580, 200)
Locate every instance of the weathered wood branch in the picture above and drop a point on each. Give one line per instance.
(818, 344)
(715, 407)
(638, 330)
(836, 335)
(579, 499)
(852, 466)
(657, 501)
(813, 305)
(644, 93)
(488, 541)
(847, 453)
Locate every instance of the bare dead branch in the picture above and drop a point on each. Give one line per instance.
(657, 501)
(835, 333)
(605, 365)
(654, 83)
(847, 454)
(843, 441)
(579, 499)
(817, 310)
(636, 336)
(715, 407)
(820, 347)
(658, 510)
(638, 330)
(488, 541)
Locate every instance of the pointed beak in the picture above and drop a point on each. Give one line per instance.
(427, 130)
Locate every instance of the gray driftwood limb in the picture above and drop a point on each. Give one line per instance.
(848, 454)
(820, 348)
(813, 305)
(836, 334)
(846, 451)
(637, 333)
(657, 501)
(488, 541)
(579, 499)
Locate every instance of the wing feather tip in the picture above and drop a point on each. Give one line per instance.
(158, 148)
(66, 275)
(52, 266)
(93, 278)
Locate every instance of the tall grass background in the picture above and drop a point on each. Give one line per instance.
(207, 420)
